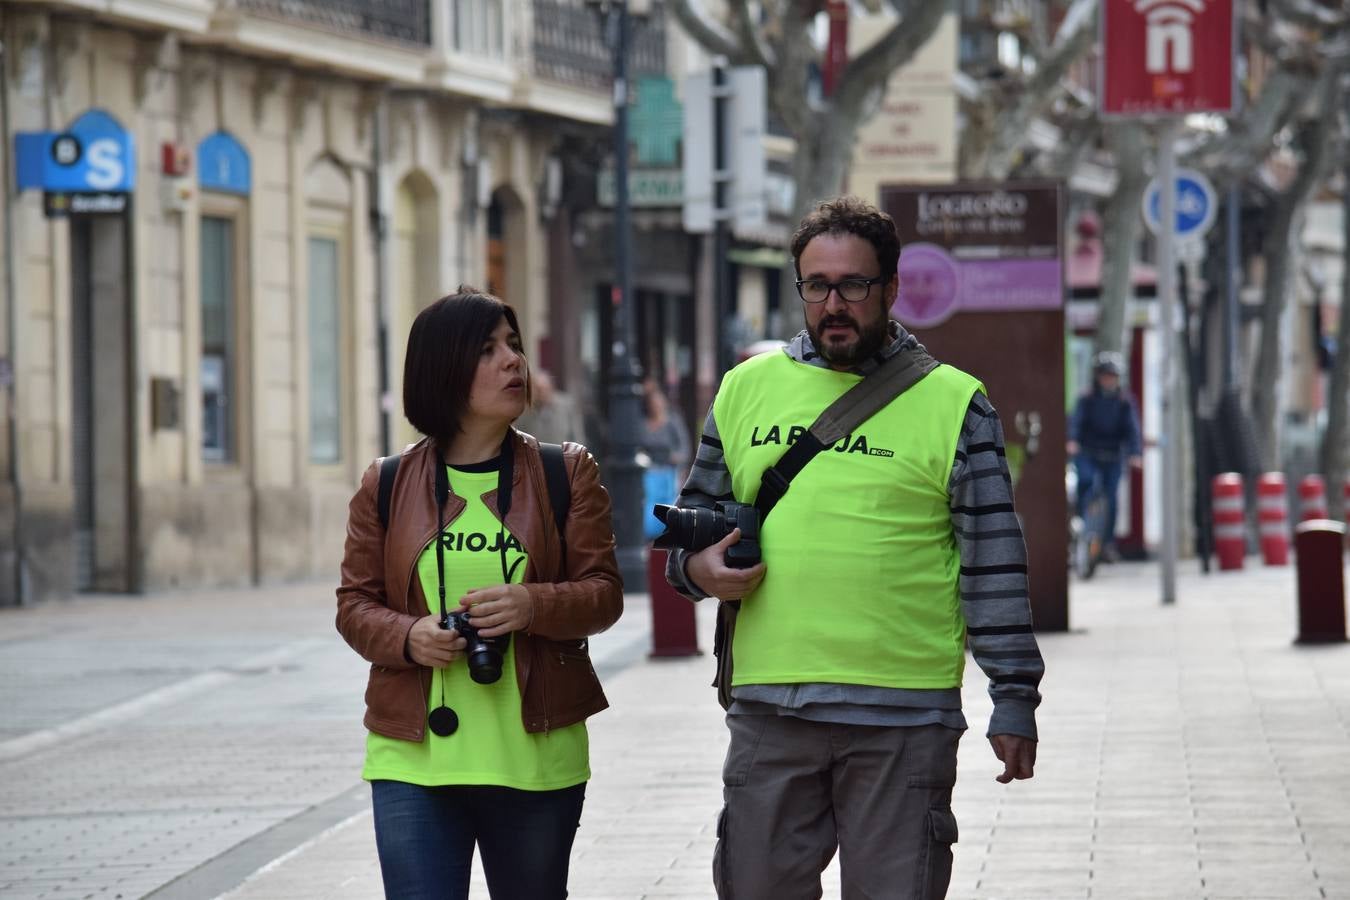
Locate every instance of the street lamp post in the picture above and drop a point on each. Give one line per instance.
(623, 473)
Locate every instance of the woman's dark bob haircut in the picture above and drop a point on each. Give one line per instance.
(444, 346)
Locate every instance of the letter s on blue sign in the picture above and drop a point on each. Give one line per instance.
(106, 169)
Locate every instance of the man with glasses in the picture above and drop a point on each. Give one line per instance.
(887, 554)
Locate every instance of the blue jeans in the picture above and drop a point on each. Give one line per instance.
(425, 837)
(1102, 475)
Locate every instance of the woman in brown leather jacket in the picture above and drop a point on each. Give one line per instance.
(480, 681)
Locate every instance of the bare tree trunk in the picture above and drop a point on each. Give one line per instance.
(822, 160)
(1267, 376)
(1278, 250)
(1334, 453)
(818, 170)
(1120, 231)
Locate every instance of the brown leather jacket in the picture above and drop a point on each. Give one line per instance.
(380, 599)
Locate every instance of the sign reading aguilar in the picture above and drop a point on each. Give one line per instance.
(975, 248)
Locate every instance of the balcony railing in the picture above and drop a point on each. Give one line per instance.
(407, 21)
(570, 45)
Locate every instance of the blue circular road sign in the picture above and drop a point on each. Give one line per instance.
(1196, 204)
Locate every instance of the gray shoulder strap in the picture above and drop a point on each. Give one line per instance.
(859, 403)
(892, 378)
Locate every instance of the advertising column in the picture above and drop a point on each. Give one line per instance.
(981, 285)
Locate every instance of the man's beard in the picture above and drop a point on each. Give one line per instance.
(870, 340)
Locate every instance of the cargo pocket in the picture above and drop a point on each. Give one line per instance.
(935, 871)
(719, 863)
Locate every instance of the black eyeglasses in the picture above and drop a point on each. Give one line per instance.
(853, 290)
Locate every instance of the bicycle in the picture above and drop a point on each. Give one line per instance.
(1088, 533)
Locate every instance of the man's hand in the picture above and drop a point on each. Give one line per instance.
(1136, 462)
(1018, 755)
(431, 645)
(708, 570)
(499, 609)
(1071, 448)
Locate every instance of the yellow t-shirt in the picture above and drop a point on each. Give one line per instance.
(491, 745)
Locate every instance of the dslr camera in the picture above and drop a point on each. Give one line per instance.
(484, 654)
(694, 529)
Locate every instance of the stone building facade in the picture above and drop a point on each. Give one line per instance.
(201, 356)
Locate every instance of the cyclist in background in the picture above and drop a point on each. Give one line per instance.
(1104, 428)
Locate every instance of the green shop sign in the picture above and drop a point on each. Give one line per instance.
(646, 187)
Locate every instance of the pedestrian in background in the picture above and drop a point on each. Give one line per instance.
(455, 758)
(886, 555)
(1103, 429)
(552, 414)
(665, 443)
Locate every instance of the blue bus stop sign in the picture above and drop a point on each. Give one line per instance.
(1196, 205)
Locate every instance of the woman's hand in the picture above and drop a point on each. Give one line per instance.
(431, 645)
(499, 609)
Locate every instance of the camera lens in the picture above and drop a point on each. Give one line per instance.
(692, 528)
(485, 664)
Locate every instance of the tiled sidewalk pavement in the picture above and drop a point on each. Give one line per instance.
(1186, 752)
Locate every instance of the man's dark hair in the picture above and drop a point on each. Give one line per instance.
(850, 215)
(444, 344)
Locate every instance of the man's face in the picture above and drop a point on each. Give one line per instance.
(846, 333)
(1109, 382)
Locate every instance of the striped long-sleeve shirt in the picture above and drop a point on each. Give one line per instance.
(993, 584)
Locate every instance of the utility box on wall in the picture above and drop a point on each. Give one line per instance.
(165, 402)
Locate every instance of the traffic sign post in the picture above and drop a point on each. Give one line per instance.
(1196, 205)
(1167, 300)
(1164, 59)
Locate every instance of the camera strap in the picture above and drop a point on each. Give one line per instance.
(443, 720)
(896, 374)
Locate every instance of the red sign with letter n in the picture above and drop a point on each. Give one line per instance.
(1167, 57)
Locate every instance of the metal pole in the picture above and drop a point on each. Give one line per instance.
(18, 597)
(1167, 309)
(1234, 276)
(623, 474)
(379, 224)
(721, 216)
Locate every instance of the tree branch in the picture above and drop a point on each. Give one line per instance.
(1308, 14)
(1076, 35)
(759, 51)
(707, 31)
(867, 72)
(1250, 134)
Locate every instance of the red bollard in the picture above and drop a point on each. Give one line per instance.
(1312, 498)
(674, 627)
(1230, 538)
(1319, 544)
(1272, 512)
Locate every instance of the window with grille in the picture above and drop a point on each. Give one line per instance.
(218, 339)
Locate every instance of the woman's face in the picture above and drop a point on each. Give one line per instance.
(498, 393)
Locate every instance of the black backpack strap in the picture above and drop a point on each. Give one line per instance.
(559, 489)
(388, 469)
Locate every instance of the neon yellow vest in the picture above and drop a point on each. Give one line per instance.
(862, 570)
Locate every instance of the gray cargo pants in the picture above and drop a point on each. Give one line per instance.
(796, 790)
